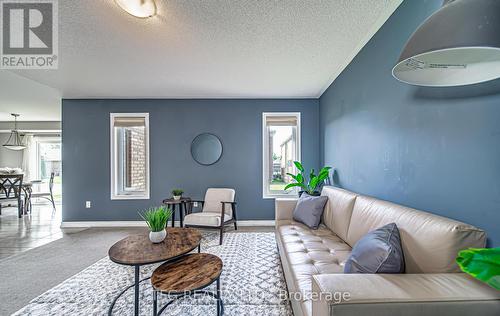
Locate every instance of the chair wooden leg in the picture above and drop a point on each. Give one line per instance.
(221, 234)
(234, 216)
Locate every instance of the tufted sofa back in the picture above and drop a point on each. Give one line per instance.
(430, 242)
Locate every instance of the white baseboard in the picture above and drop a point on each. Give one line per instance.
(256, 223)
(103, 224)
(143, 224)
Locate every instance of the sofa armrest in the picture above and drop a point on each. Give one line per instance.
(284, 209)
(403, 294)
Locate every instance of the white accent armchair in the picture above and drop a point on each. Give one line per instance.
(218, 210)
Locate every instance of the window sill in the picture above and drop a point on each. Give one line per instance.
(280, 196)
(130, 197)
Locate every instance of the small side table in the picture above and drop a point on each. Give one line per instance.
(181, 205)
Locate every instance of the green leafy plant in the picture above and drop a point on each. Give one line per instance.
(156, 217)
(177, 192)
(482, 263)
(314, 182)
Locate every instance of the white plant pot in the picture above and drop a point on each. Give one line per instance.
(177, 197)
(157, 237)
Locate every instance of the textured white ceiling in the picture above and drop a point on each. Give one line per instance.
(209, 49)
(34, 101)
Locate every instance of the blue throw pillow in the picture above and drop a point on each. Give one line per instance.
(309, 210)
(379, 251)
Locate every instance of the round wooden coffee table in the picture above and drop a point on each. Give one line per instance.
(138, 250)
(187, 276)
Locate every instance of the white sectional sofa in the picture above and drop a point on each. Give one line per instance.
(432, 285)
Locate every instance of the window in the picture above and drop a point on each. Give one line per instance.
(129, 156)
(43, 157)
(48, 157)
(281, 147)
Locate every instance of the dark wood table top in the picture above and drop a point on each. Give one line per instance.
(172, 201)
(139, 250)
(190, 273)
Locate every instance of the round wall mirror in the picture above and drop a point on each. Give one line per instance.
(206, 149)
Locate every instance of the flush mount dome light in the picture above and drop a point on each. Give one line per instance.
(138, 8)
(458, 45)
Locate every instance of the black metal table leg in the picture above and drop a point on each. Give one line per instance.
(136, 288)
(187, 294)
(136, 291)
(155, 303)
(173, 215)
(217, 296)
(219, 301)
(181, 213)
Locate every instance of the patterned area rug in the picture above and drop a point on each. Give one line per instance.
(251, 283)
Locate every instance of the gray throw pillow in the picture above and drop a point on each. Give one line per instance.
(379, 251)
(309, 210)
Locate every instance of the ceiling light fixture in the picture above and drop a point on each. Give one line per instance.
(14, 142)
(457, 45)
(138, 8)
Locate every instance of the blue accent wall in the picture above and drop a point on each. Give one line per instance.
(173, 125)
(435, 149)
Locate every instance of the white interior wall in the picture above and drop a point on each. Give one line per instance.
(9, 158)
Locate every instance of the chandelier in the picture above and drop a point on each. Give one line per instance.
(14, 142)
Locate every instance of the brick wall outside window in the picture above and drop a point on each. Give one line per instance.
(136, 158)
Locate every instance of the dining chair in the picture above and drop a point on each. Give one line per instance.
(218, 209)
(49, 196)
(11, 189)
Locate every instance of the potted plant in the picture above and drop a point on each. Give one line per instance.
(157, 218)
(315, 181)
(177, 194)
(481, 263)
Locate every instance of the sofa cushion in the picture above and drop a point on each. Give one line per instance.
(298, 237)
(379, 251)
(430, 242)
(338, 209)
(309, 210)
(310, 252)
(204, 219)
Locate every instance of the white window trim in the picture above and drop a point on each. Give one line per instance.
(265, 150)
(113, 150)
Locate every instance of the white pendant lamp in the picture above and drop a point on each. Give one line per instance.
(138, 8)
(14, 142)
(458, 45)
